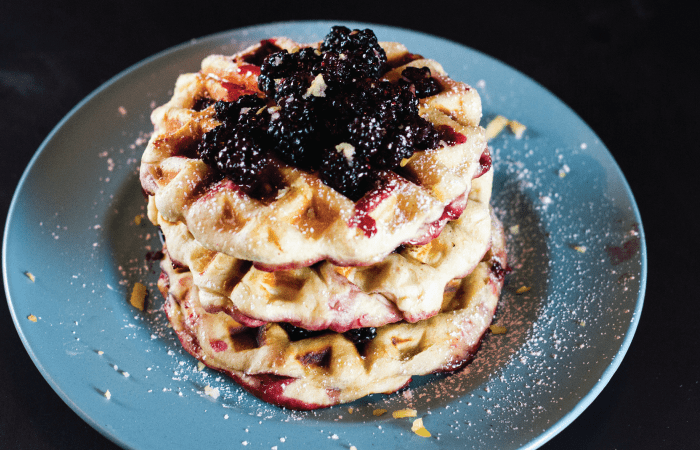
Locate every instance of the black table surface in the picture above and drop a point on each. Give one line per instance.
(622, 65)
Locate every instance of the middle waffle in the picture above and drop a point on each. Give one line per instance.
(407, 285)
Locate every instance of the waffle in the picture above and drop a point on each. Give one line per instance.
(407, 285)
(307, 221)
(329, 369)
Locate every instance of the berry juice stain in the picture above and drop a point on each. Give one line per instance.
(364, 206)
(627, 250)
(235, 91)
(623, 253)
(249, 69)
(484, 163)
(450, 136)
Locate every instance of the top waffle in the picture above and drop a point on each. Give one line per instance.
(303, 220)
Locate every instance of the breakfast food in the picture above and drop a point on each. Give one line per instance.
(407, 285)
(306, 370)
(326, 220)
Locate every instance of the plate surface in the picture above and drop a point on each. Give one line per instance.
(570, 306)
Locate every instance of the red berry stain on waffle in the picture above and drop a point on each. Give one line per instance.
(484, 163)
(218, 346)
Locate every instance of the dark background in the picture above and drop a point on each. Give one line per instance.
(624, 66)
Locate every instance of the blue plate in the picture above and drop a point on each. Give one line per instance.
(570, 306)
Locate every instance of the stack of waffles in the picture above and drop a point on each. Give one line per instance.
(309, 299)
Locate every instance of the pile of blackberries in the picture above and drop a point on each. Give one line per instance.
(315, 100)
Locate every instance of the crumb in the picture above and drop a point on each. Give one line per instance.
(419, 429)
(211, 392)
(138, 296)
(138, 219)
(497, 329)
(517, 128)
(122, 110)
(350, 410)
(31, 276)
(515, 229)
(379, 412)
(347, 150)
(499, 122)
(32, 318)
(523, 289)
(495, 127)
(580, 248)
(200, 366)
(404, 413)
(564, 170)
(107, 394)
(317, 88)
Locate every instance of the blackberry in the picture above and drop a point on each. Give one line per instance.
(337, 71)
(297, 333)
(426, 136)
(230, 111)
(365, 133)
(255, 121)
(399, 145)
(360, 336)
(361, 47)
(424, 85)
(208, 148)
(293, 85)
(377, 135)
(297, 108)
(234, 152)
(351, 178)
(391, 103)
(307, 60)
(291, 131)
(293, 142)
(335, 40)
(276, 65)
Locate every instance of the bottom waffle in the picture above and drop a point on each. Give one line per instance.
(331, 368)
